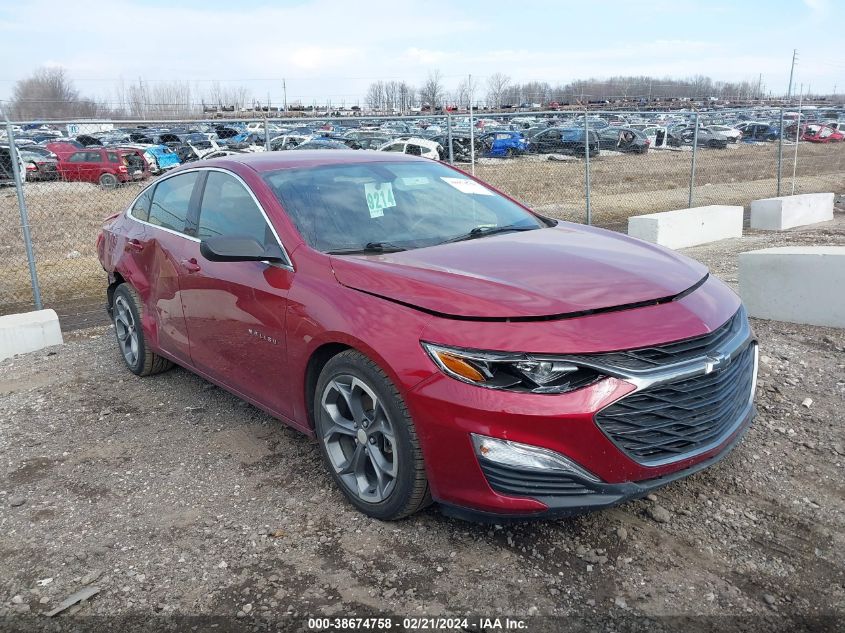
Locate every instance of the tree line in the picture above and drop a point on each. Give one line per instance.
(49, 93)
(500, 90)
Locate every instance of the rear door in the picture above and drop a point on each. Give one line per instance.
(93, 165)
(159, 250)
(235, 311)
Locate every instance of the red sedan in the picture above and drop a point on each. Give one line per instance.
(821, 134)
(440, 341)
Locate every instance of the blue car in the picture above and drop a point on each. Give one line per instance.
(498, 144)
(165, 157)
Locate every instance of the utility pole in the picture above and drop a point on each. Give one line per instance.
(792, 72)
(285, 90)
(759, 85)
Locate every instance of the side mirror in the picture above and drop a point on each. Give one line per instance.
(239, 249)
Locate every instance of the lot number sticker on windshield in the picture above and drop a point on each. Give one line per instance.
(464, 185)
(379, 198)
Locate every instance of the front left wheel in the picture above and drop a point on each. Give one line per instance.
(367, 438)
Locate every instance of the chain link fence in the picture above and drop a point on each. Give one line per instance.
(680, 166)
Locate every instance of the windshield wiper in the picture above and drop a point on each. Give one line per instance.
(484, 231)
(369, 247)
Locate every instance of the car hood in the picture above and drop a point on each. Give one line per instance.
(561, 271)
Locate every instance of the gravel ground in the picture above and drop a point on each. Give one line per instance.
(173, 497)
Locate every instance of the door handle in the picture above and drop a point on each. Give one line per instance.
(190, 265)
(134, 245)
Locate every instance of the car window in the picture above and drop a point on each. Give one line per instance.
(409, 204)
(141, 207)
(93, 157)
(396, 147)
(113, 157)
(227, 208)
(171, 199)
(77, 157)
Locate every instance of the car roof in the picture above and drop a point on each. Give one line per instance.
(271, 161)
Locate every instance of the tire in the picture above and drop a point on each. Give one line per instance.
(358, 415)
(109, 181)
(127, 314)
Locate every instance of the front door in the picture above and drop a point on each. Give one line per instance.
(235, 311)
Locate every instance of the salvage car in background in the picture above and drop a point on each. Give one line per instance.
(758, 132)
(563, 141)
(815, 133)
(704, 138)
(415, 146)
(7, 174)
(433, 335)
(39, 163)
(106, 166)
(503, 144)
(621, 139)
(731, 133)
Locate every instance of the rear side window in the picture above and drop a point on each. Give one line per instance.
(227, 208)
(78, 157)
(170, 202)
(141, 208)
(113, 157)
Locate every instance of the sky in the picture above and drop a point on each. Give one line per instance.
(333, 49)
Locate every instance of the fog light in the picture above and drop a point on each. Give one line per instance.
(526, 457)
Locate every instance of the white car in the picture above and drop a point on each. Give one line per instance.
(415, 146)
(732, 133)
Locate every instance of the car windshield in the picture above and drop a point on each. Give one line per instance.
(404, 205)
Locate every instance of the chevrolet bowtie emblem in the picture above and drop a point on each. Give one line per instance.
(716, 362)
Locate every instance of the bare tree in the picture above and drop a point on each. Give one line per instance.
(432, 91)
(464, 94)
(47, 93)
(375, 96)
(497, 85)
(223, 98)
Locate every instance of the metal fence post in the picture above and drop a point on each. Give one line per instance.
(266, 136)
(587, 167)
(449, 137)
(27, 237)
(692, 166)
(780, 151)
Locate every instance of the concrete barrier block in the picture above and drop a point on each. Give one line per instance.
(688, 227)
(28, 332)
(799, 284)
(786, 212)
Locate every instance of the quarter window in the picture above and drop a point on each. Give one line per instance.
(171, 199)
(141, 208)
(227, 208)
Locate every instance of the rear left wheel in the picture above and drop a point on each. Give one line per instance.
(109, 181)
(367, 438)
(127, 311)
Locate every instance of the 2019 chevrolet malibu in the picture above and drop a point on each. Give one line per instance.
(440, 341)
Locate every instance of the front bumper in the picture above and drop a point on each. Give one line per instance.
(622, 459)
(597, 496)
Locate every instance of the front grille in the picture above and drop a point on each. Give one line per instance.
(530, 483)
(671, 353)
(669, 421)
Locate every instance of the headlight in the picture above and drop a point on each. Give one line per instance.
(513, 372)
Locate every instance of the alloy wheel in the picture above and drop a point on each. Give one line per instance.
(359, 438)
(126, 329)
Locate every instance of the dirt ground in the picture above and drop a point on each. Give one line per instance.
(173, 497)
